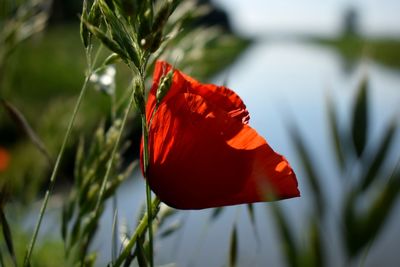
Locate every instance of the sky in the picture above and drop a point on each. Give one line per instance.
(255, 17)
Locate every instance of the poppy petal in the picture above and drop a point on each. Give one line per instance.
(226, 98)
(203, 155)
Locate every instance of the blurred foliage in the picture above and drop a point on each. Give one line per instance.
(78, 223)
(369, 192)
(49, 252)
(354, 48)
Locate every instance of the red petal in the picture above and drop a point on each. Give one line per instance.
(201, 156)
(226, 98)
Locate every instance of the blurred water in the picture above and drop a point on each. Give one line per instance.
(311, 17)
(280, 82)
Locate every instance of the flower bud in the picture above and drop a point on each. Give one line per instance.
(164, 86)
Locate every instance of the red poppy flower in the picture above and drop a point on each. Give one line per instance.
(202, 152)
(4, 159)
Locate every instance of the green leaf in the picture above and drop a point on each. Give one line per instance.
(233, 249)
(360, 119)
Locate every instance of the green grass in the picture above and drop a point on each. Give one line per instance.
(383, 51)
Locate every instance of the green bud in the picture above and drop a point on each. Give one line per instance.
(164, 86)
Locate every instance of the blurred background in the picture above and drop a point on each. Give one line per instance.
(314, 75)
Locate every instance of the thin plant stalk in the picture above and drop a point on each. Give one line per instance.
(114, 233)
(55, 172)
(148, 190)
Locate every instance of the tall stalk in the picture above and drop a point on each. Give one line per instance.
(55, 172)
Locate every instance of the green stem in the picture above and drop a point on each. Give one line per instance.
(54, 173)
(139, 231)
(148, 190)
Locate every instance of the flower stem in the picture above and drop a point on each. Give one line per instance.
(54, 173)
(139, 231)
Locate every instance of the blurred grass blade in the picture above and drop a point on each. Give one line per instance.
(309, 166)
(380, 209)
(170, 229)
(20, 120)
(360, 118)
(216, 213)
(350, 230)
(233, 249)
(7, 236)
(380, 155)
(336, 134)
(361, 230)
(250, 210)
(316, 248)
(288, 243)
